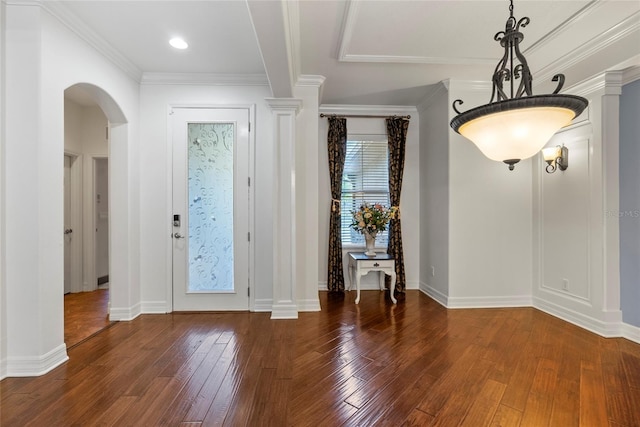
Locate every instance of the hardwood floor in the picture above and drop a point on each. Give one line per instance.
(85, 313)
(414, 364)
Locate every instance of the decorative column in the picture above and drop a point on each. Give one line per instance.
(610, 145)
(284, 112)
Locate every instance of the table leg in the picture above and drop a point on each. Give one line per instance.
(350, 276)
(357, 287)
(381, 279)
(392, 287)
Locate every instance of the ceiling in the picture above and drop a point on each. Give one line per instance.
(369, 52)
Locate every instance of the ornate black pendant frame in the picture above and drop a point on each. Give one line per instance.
(513, 68)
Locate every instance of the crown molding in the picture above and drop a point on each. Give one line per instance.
(23, 3)
(367, 109)
(609, 82)
(471, 85)
(590, 8)
(85, 33)
(437, 90)
(291, 11)
(395, 59)
(624, 29)
(631, 75)
(204, 79)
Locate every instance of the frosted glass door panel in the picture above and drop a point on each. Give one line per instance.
(210, 177)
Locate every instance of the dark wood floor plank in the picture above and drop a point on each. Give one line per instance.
(460, 400)
(486, 404)
(203, 401)
(454, 379)
(372, 364)
(593, 408)
(539, 404)
(417, 418)
(566, 403)
(506, 417)
(176, 411)
(519, 384)
(110, 416)
(616, 384)
(406, 401)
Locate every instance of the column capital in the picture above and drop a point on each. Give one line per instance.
(284, 104)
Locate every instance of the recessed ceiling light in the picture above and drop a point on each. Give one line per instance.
(178, 43)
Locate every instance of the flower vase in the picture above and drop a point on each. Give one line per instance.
(370, 240)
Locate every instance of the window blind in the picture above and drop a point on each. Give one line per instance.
(365, 179)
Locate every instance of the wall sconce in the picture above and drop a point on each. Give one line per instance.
(556, 158)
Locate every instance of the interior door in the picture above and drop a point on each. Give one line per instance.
(210, 209)
(67, 224)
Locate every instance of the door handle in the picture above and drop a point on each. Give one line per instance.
(68, 231)
(178, 236)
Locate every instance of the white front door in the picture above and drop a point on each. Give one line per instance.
(210, 209)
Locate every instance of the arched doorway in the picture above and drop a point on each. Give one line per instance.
(89, 115)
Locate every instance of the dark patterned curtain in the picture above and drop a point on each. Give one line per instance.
(337, 145)
(397, 134)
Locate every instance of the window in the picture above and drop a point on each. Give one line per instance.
(365, 179)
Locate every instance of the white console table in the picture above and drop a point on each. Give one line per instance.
(361, 264)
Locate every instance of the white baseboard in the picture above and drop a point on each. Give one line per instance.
(475, 302)
(630, 332)
(34, 366)
(309, 305)
(263, 305)
(154, 307)
(597, 326)
(284, 311)
(434, 294)
(3, 369)
(490, 302)
(124, 314)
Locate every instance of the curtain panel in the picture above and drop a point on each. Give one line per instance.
(337, 146)
(397, 134)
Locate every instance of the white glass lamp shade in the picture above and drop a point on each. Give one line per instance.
(516, 134)
(516, 129)
(550, 154)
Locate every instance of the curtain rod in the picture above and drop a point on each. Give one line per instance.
(407, 117)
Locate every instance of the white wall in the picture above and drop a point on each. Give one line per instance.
(490, 214)
(155, 176)
(409, 201)
(576, 246)
(3, 296)
(629, 212)
(84, 129)
(434, 195)
(44, 58)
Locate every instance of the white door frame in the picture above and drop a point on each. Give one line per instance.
(75, 221)
(90, 282)
(169, 204)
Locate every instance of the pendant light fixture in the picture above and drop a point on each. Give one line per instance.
(515, 124)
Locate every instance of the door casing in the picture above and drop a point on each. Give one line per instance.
(169, 195)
